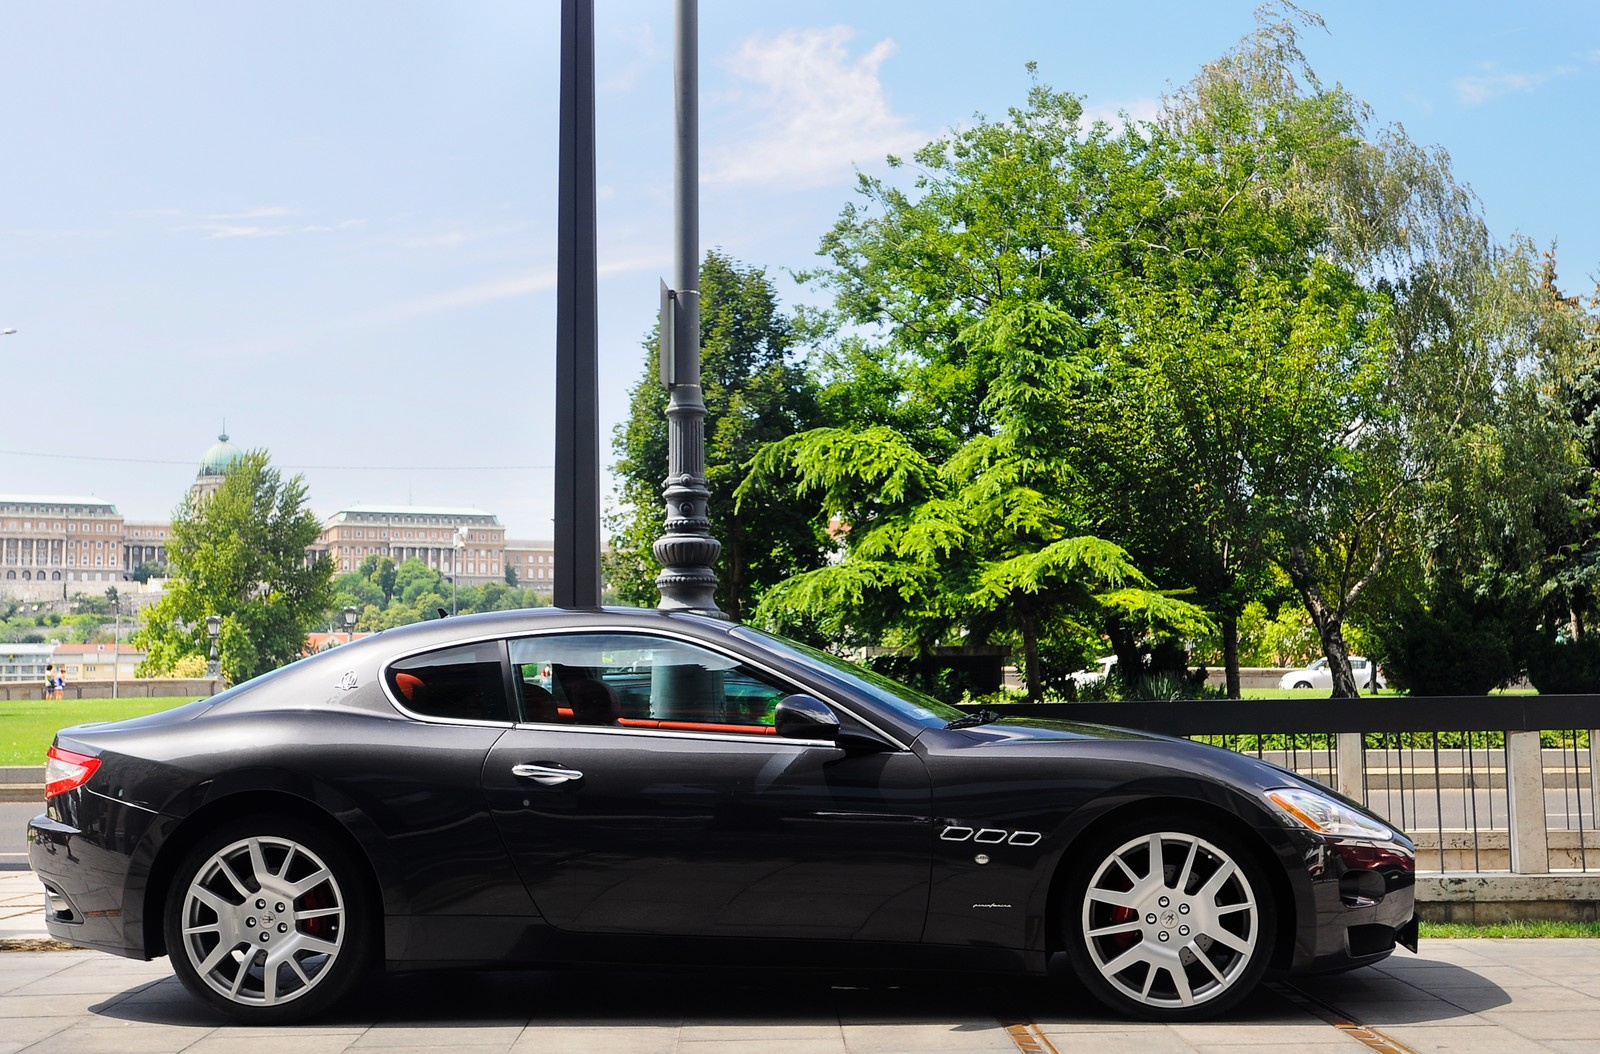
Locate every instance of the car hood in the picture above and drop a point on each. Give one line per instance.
(1044, 739)
(1020, 730)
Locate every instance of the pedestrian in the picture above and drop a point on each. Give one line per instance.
(61, 683)
(49, 682)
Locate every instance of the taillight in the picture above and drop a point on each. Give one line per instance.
(65, 770)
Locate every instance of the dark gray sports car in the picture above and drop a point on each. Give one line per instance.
(549, 787)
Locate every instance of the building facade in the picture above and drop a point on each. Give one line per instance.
(533, 562)
(51, 546)
(25, 663)
(467, 544)
(144, 543)
(97, 662)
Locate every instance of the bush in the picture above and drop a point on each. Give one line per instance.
(1566, 668)
(1462, 645)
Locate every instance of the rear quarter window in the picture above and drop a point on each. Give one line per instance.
(464, 683)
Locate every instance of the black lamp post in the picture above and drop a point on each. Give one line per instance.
(213, 631)
(350, 614)
(686, 551)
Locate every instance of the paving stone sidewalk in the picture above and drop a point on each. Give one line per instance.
(1459, 996)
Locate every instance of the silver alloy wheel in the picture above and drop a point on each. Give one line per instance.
(1170, 920)
(263, 921)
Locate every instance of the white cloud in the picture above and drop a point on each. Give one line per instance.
(807, 112)
(527, 284)
(644, 53)
(265, 212)
(1494, 82)
(218, 227)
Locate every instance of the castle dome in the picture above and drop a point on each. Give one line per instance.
(219, 457)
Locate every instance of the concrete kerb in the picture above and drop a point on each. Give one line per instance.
(1479, 898)
(22, 783)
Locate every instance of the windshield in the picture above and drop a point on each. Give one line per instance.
(908, 703)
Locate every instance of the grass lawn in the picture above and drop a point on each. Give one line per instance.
(1438, 930)
(27, 726)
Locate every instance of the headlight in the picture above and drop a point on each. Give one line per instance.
(1325, 815)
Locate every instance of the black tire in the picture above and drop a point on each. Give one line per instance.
(1176, 942)
(266, 920)
(1302, 684)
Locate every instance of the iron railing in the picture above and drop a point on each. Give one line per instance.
(1482, 783)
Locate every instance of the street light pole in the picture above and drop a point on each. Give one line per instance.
(213, 631)
(350, 614)
(577, 391)
(686, 551)
(116, 646)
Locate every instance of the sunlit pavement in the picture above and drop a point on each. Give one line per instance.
(1493, 996)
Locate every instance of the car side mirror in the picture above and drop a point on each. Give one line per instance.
(805, 717)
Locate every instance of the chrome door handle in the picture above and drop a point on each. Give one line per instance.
(549, 775)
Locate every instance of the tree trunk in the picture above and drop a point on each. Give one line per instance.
(1230, 652)
(1033, 676)
(1130, 666)
(1329, 623)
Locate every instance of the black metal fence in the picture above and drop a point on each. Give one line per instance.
(1483, 783)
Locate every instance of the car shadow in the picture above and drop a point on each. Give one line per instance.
(1416, 992)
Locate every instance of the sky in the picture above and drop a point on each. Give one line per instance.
(331, 228)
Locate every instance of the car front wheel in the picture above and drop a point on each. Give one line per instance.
(1175, 922)
(265, 920)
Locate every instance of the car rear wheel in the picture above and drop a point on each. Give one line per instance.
(265, 920)
(1175, 922)
(1302, 684)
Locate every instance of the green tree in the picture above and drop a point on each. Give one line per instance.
(754, 393)
(1505, 524)
(241, 553)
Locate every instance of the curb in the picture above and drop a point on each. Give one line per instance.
(22, 783)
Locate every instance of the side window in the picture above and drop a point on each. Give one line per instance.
(640, 681)
(463, 683)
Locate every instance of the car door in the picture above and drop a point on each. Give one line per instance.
(650, 794)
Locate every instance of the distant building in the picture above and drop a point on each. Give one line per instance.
(50, 546)
(25, 663)
(96, 662)
(53, 548)
(214, 464)
(465, 543)
(534, 563)
(316, 642)
(144, 543)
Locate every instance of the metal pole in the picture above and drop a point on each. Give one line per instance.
(116, 647)
(577, 468)
(686, 551)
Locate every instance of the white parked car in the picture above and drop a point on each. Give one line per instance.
(1095, 674)
(1317, 675)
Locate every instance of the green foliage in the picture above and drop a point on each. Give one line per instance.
(415, 593)
(1459, 644)
(755, 393)
(1566, 667)
(240, 553)
(148, 570)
